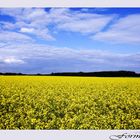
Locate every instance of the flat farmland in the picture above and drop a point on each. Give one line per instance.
(49, 102)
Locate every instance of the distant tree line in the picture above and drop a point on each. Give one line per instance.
(11, 73)
(89, 74)
(100, 74)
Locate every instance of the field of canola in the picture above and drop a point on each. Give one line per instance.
(35, 102)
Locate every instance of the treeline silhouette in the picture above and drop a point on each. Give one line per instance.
(89, 74)
(100, 74)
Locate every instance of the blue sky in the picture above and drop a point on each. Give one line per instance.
(45, 40)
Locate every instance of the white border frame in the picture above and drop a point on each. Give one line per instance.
(69, 3)
(69, 134)
(66, 134)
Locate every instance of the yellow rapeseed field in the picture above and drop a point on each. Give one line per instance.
(45, 102)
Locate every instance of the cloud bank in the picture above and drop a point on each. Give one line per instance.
(22, 32)
(46, 59)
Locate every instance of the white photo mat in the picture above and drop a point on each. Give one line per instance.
(69, 3)
(69, 134)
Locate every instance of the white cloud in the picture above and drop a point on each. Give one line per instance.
(13, 12)
(85, 26)
(12, 60)
(79, 22)
(38, 32)
(37, 21)
(28, 20)
(125, 30)
(17, 45)
(36, 14)
(37, 58)
(6, 25)
(7, 36)
(27, 30)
